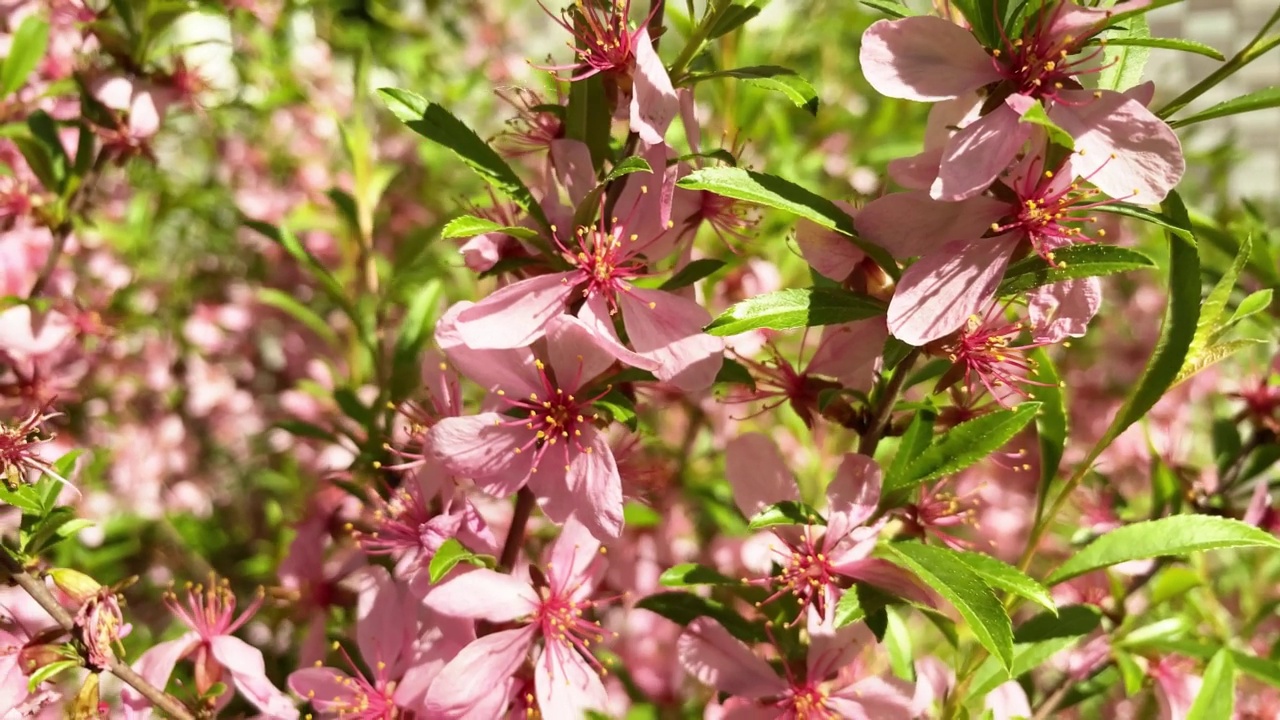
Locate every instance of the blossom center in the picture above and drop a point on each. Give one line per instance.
(808, 702)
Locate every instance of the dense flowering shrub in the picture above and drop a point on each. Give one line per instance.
(316, 402)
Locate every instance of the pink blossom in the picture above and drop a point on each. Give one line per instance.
(1176, 686)
(553, 444)
(665, 329)
(830, 685)
(1123, 146)
(403, 645)
(551, 608)
(960, 267)
(210, 613)
(816, 563)
(22, 621)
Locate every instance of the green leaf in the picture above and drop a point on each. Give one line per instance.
(1037, 640)
(26, 48)
(1051, 422)
(292, 245)
(1181, 316)
(849, 609)
(451, 553)
(434, 123)
(288, 304)
(587, 119)
(1123, 64)
(687, 574)
(732, 18)
(1036, 115)
(1259, 100)
(1003, 576)
(469, 226)
(620, 408)
(48, 672)
(24, 498)
(683, 608)
(1074, 261)
(964, 445)
(1182, 44)
(692, 273)
(892, 8)
(1070, 621)
(793, 308)
(415, 329)
(913, 444)
(1170, 536)
(954, 580)
(1214, 354)
(787, 512)
(305, 430)
(636, 515)
(771, 77)
(1215, 303)
(735, 373)
(1250, 306)
(772, 191)
(1217, 696)
(1146, 215)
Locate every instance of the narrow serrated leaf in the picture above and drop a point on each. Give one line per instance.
(964, 445)
(1071, 262)
(1170, 536)
(787, 512)
(1217, 695)
(793, 308)
(1259, 100)
(1003, 576)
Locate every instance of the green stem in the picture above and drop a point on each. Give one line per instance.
(884, 412)
(697, 39)
(1248, 54)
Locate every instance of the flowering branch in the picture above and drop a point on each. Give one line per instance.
(880, 422)
(63, 231)
(43, 597)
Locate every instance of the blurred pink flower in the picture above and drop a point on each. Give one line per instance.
(550, 608)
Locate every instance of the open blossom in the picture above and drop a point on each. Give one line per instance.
(210, 613)
(607, 44)
(403, 645)
(549, 439)
(816, 563)
(965, 247)
(1123, 146)
(552, 607)
(664, 328)
(830, 686)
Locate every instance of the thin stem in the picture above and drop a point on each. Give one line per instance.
(525, 501)
(63, 231)
(697, 39)
(884, 413)
(1246, 55)
(39, 592)
(1051, 703)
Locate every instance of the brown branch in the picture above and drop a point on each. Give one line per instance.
(525, 501)
(63, 231)
(40, 592)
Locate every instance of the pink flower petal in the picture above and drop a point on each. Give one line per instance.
(1122, 147)
(1064, 309)
(709, 653)
(668, 328)
(909, 224)
(831, 649)
(832, 254)
(325, 688)
(977, 155)
(757, 473)
(249, 675)
(597, 486)
(517, 314)
(924, 58)
(1008, 701)
(382, 616)
(940, 291)
(483, 594)
(480, 446)
(577, 354)
(653, 100)
(850, 353)
(1075, 21)
(916, 172)
(511, 370)
(874, 698)
(853, 494)
(574, 169)
(156, 665)
(886, 576)
(470, 679)
(566, 685)
(570, 557)
(595, 314)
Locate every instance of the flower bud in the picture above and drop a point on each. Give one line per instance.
(87, 705)
(33, 657)
(75, 584)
